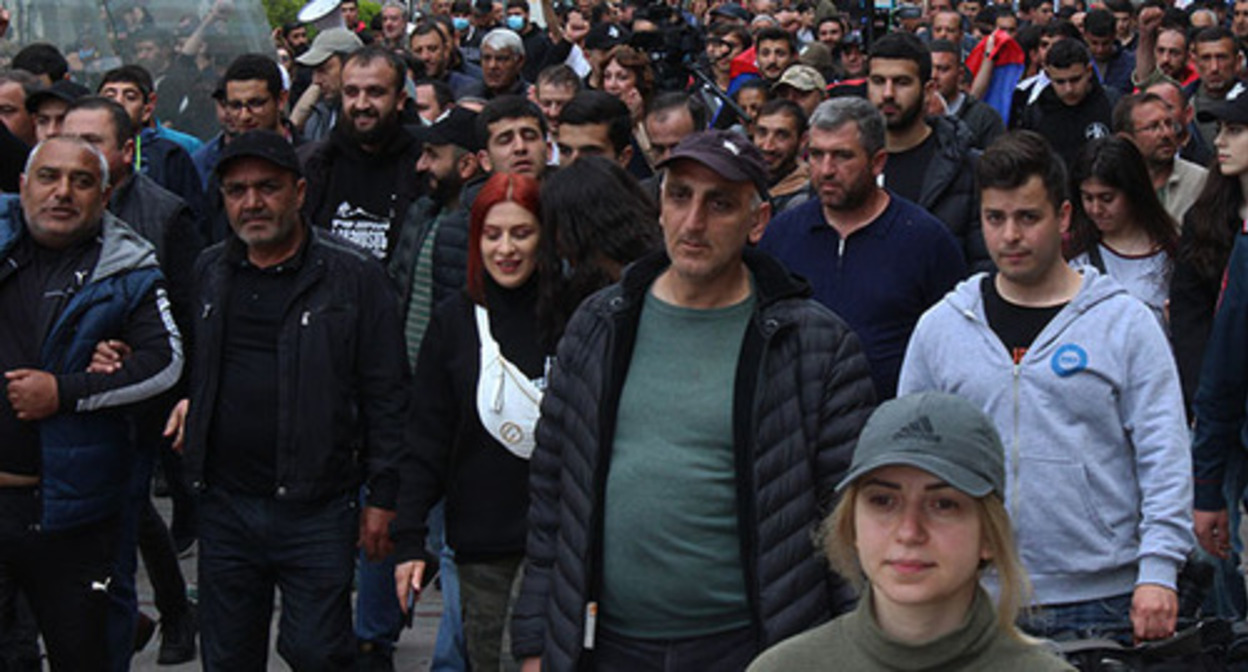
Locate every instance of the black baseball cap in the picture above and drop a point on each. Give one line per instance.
(1233, 108)
(457, 127)
(731, 10)
(605, 36)
(260, 144)
(730, 154)
(61, 89)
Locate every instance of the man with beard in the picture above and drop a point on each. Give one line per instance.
(876, 260)
(429, 263)
(429, 44)
(929, 159)
(1147, 121)
(360, 178)
(780, 134)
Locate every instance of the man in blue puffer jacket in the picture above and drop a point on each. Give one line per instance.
(71, 275)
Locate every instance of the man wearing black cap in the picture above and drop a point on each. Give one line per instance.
(48, 106)
(297, 396)
(699, 416)
(429, 264)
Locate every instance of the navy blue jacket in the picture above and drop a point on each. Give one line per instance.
(1223, 390)
(85, 449)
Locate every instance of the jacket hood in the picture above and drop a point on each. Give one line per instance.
(121, 248)
(953, 136)
(772, 282)
(1048, 96)
(968, 299)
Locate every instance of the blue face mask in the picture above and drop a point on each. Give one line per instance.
(460, 23)
(515, 23)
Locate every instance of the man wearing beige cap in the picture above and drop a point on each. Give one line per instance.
(803, 85)
(317, 110)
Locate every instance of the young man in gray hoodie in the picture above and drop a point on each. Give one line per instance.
(1079, 379)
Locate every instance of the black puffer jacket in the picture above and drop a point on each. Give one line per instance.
(450, 251)
(802, 393)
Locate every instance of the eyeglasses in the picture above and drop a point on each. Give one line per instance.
(1159, 127)
(254, 105)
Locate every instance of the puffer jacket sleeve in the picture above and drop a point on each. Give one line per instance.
(849, 398)
(566, 440)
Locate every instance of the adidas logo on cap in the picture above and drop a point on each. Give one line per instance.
(920, 430)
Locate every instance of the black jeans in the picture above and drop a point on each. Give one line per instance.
(249, 545)
(64, 575)
(728, 651)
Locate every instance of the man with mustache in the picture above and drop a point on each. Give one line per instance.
(297, 399)
(875, 259)
(361, 178)
(1147, 120)
(73, 275)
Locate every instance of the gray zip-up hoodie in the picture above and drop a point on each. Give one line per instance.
(1098, 472)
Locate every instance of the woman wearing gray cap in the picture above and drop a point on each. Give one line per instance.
(921, 516)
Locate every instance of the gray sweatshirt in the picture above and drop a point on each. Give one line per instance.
(1098, 469)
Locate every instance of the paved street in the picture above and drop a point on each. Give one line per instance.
(414, 651)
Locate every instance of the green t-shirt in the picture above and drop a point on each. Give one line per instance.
(671, 548)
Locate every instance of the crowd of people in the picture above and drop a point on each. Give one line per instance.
(660, 334)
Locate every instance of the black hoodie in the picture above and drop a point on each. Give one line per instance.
(358, 195)
(1069, 127)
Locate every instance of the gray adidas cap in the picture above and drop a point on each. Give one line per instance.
(941, 434)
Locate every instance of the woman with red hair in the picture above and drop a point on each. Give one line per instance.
(478, 384)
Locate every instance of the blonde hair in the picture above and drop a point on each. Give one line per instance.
(838, 541)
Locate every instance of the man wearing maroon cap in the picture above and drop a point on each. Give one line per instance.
(698, 418)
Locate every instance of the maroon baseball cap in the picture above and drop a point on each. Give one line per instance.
(730, 154)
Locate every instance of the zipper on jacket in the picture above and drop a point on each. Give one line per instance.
(1014, 447)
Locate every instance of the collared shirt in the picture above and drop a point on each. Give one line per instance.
(879, 279)
(243, 442)
(1182, 188)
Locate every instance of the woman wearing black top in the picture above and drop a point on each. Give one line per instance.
(475, 400)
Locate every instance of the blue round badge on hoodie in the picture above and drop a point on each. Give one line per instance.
(1069, 360)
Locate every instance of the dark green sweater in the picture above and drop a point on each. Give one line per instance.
(854, 642)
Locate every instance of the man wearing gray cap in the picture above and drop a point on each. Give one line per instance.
(317, 110)
(699, 415)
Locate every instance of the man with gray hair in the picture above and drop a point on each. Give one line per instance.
(502, 60)
(394, 25)
(875, 259)
(699, 415)
(73, 276)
